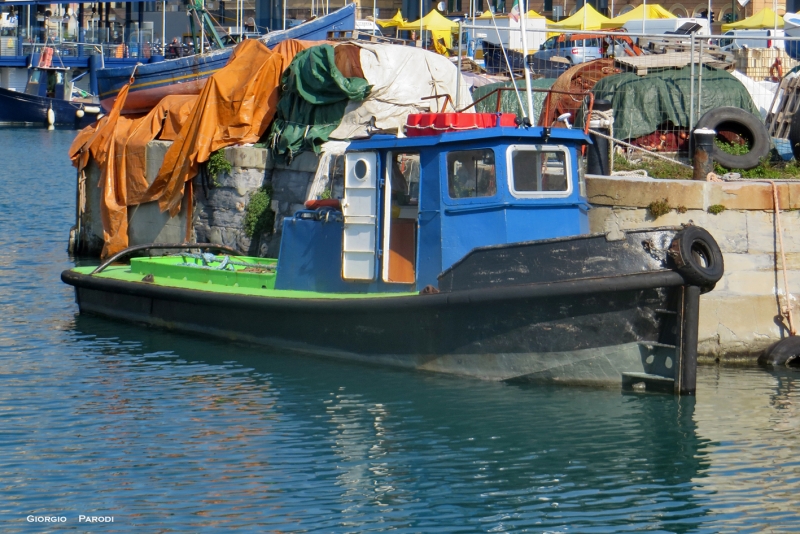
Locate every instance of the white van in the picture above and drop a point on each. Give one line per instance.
(368, 26)
(738, 39)
(679, 26)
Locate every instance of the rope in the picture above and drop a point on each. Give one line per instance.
(207, 258)
(639, 173)
(786, 308)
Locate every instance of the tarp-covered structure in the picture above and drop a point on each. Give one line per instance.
(764, 19)
(400, 78)
(642, 12)
(305, 89)
(235, 107)
(586, 18)
(643, 103)
(315, 94)
(440, 27)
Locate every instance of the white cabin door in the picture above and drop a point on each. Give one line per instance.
(360, 210)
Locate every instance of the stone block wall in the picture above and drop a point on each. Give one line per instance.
(741, 316)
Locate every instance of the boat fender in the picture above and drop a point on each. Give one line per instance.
(784, 352)
(92, 109)
(79, 113)
(744, 124)
(697, 257)
(51, 117)
(100, 116)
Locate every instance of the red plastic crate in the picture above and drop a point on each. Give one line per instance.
(419, 124)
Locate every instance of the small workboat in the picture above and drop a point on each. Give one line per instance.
(48, 100)
(462, 248)
(187, 75)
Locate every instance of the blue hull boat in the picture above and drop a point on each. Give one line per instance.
(187, 75)
(47, 101)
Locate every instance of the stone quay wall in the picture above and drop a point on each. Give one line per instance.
(741, 316)
(738, 320)
(219, 203)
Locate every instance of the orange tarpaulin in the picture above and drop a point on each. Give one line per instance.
(235, 107)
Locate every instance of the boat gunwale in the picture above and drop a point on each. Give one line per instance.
(366, 302)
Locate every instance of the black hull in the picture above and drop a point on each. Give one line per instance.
(585, 333)
(20, 108)
(583, 310)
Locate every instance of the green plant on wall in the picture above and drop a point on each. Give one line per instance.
(217, 164)
(657, 208)
(259, 217)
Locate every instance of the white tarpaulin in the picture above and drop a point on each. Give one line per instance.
(400, 76)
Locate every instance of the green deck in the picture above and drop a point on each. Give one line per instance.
(167, 273)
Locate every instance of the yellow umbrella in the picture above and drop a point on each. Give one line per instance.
(397, 20)
(641, 12)
(439, 26)
(590, 20)
(766, 18)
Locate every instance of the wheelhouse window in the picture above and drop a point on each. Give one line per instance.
(471, 173)
(539, 171)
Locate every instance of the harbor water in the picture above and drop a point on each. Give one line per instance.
(159, 432)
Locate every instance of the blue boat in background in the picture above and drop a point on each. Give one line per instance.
(187, 75)
(48, 100)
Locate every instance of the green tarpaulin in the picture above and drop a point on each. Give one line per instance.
(642, 103)
(314, 94)
(509, 103)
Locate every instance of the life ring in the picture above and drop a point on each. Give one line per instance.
(697, 257)
(776, 71)
(784, 352)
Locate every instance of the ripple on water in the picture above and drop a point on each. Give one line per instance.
(168, 431)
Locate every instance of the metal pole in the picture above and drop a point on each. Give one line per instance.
(691, 92)
(163, 27)
(700, 80)
(458, 78)
(284, 14)
(420, 20)
(202, 27)
(526, 70)
(644, 14)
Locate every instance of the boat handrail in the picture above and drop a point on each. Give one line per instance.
(171, 246)
(547, 118)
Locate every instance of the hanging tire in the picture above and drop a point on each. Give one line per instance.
(697, 257)
(785, 352)
(744, 124)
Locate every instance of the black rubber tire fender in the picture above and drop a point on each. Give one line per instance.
(745, 124)
(783, 353)
(697, 257)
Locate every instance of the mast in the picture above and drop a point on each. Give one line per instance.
(523, 27)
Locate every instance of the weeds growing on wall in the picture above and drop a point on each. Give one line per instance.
(259, 217)
(217, 164)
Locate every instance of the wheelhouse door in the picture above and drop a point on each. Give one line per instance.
(360, 210)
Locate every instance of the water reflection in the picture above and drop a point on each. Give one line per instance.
(227, 434)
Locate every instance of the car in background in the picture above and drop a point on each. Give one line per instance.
(575, 48)
(737, 39)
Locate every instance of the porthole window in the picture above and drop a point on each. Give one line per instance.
(360, 169)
